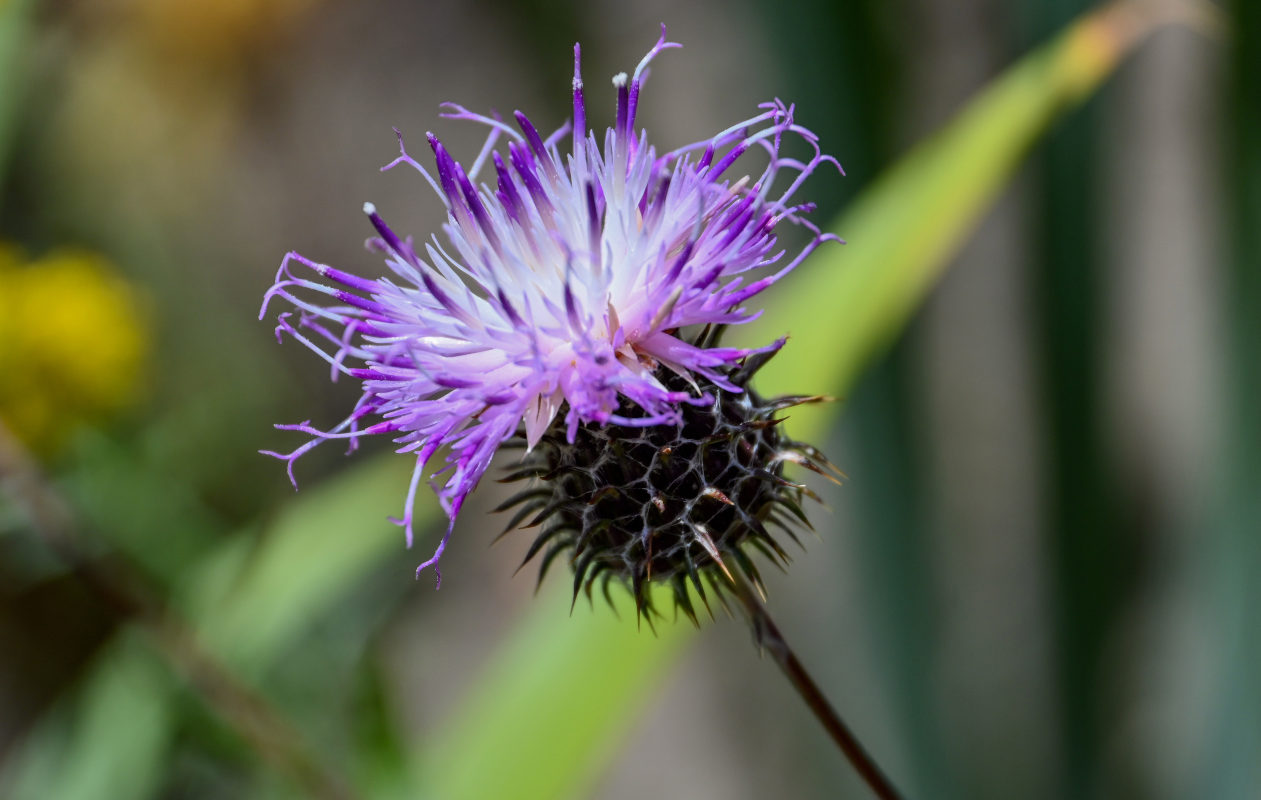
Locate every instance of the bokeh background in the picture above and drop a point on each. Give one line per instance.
(1041, 581)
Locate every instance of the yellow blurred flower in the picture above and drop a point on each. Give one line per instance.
(73, 342)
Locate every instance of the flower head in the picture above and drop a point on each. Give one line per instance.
(558, 296)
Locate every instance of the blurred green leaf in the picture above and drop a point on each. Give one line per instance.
(1094, 576)
(319, 548)
(546, 717)
(1230, 555)
(116, 742)
(15, 23)
(383, 770)
(540, 705)
(162, 525)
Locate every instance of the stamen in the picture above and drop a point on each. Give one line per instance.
(389, 236)
(623, 105)
(580, 105)
(594, 229)
(536, 144)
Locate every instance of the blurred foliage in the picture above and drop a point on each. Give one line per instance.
(1231, 563)
(586, 679)
(292, 603)
(14, 24)
(1089, 545)
(219, 31)
(906, 225)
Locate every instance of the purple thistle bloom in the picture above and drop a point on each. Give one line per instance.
(561, 289)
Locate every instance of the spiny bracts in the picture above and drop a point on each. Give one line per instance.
(681, 503)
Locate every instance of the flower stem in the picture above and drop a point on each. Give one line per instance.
(771, 640)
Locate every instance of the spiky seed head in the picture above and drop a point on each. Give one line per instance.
(682, 503)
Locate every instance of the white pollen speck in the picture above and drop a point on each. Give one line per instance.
(619, 80)
(369, 209)
(577, 84)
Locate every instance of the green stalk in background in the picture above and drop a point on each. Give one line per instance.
(1092, 580)
(1232, 566)
(15, 24)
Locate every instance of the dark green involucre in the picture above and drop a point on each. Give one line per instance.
(669, 503)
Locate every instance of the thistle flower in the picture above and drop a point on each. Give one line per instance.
(557, 306)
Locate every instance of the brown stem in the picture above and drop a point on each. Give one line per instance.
(243, 709)
(769, 638)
